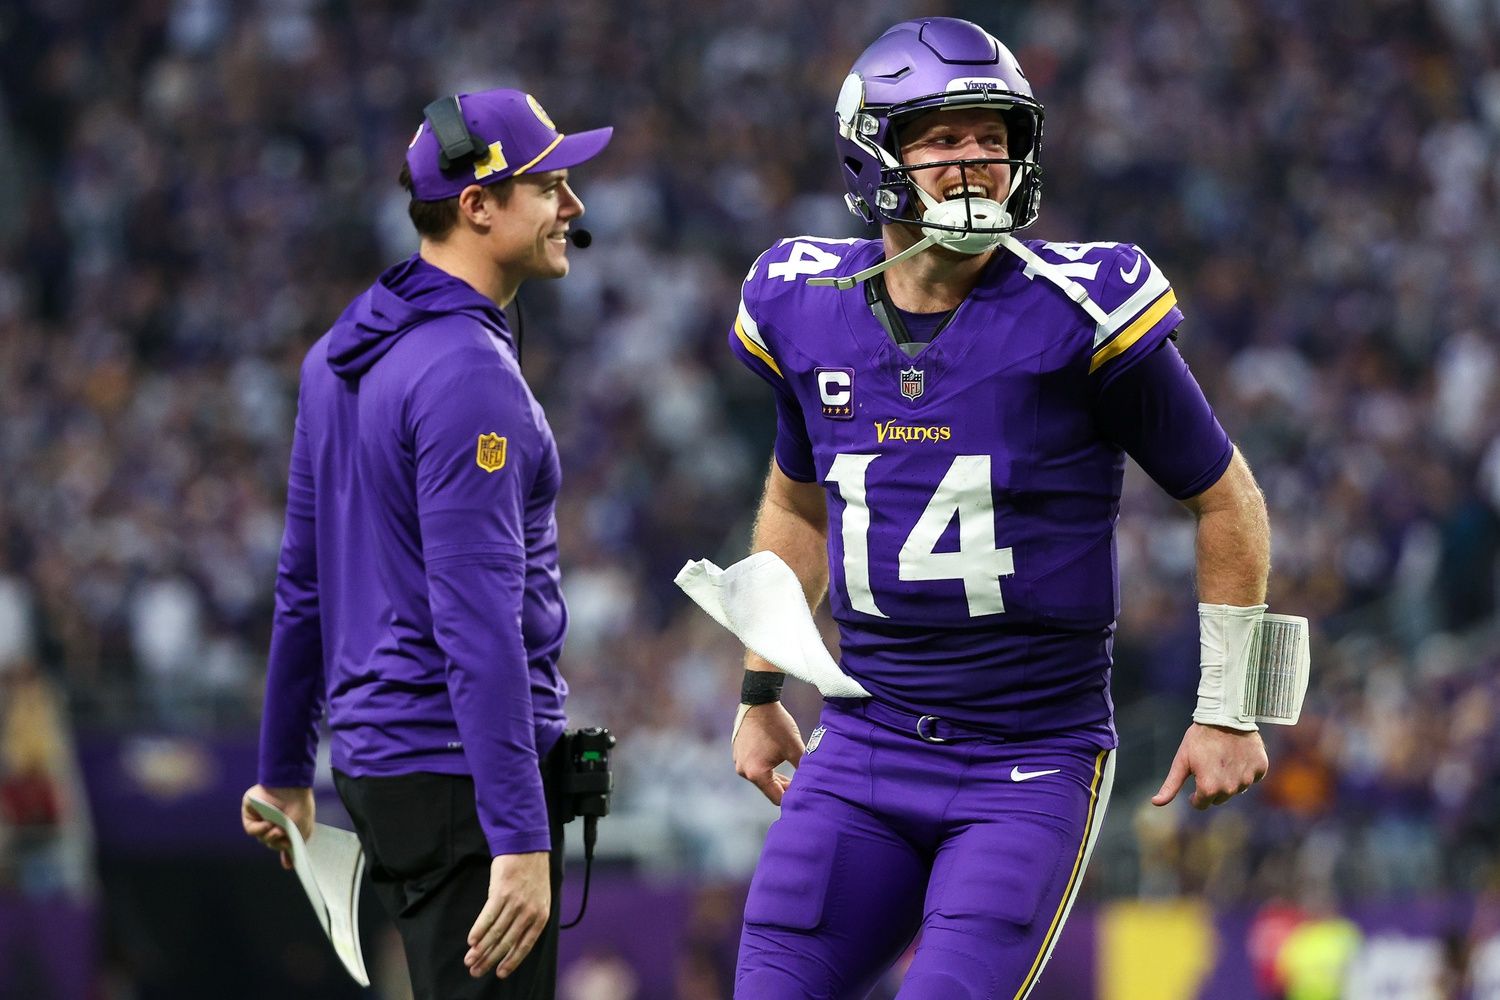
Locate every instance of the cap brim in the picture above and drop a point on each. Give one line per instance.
(572, 150)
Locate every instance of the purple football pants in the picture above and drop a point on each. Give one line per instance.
(980, 845)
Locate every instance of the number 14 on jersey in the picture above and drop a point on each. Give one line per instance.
(965, 493)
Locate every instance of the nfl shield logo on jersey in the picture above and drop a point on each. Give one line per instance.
(912, 381)
(815, 738)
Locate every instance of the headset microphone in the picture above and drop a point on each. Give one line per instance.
(580, 238)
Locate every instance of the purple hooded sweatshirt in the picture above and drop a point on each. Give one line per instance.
(418, 595)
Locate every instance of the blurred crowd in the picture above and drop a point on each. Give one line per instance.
(194, 189)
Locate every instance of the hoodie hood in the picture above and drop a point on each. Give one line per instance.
(404, 297)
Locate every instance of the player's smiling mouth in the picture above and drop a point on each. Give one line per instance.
(959, 191)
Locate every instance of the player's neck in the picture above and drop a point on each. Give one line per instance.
(476, 269)
(934, 280)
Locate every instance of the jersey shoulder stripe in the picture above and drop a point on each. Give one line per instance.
(1141, 310)
(1132, 334)
(1130, 304)
(748, 331)
(1150, 289)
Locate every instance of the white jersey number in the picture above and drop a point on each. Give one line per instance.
(965, 493)
(806, 259)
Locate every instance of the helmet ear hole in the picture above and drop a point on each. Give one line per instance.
(1020, 128)
(853, 166)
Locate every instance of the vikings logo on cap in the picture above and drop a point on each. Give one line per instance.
(541, 116)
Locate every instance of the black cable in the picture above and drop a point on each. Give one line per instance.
(590, 835)
(519, 325)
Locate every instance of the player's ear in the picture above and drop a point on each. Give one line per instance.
(475, 207)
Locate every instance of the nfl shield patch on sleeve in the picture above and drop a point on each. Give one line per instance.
(491, 454)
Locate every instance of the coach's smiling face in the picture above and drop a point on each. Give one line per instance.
(529, 238)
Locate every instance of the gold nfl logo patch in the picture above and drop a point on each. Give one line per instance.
(491, 455)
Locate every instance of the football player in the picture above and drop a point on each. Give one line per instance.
(954, 410)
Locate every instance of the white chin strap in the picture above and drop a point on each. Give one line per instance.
(986, 213)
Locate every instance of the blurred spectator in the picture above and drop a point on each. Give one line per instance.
(1315, 957)
(46, 848)
(599, 976)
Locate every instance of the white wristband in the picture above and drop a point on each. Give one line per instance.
(1226, 635)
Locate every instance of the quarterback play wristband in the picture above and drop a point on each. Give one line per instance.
(1279, 667)
(1255, 666)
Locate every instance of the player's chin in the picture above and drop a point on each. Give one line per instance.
(554, 263)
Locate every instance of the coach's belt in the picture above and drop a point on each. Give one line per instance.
(928, 728)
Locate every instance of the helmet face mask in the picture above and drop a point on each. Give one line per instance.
(928, 65)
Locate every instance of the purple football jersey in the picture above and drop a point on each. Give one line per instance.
(972, 491)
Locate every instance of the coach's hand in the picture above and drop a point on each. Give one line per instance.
(767, 737)
(1223, 763)
(298, 805)
(514, 916)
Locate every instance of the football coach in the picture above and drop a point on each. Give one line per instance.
(418, 602)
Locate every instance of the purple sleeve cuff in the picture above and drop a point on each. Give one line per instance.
(520, 843)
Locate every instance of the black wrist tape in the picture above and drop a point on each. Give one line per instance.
(761, 687)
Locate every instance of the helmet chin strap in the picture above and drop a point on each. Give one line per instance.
(950, 214)
(945, 224)
(846, 283)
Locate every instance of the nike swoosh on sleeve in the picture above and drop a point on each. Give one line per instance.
(1134, 272)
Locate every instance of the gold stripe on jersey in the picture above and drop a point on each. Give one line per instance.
(1154, 284)
(1073, 879)
(755, 348)
(1134, 331)
(748, 331)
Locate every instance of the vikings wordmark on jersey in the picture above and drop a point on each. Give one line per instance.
(972, 497)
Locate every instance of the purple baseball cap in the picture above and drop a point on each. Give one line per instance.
(520, 138)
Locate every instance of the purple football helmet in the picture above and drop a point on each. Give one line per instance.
(922, 65)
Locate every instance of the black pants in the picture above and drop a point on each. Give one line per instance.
(428, 860)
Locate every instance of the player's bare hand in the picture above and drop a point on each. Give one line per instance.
(768, 737)
(298, 805)
(513, 917)
(1223, 763)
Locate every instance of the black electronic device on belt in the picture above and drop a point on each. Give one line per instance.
(587, 784)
